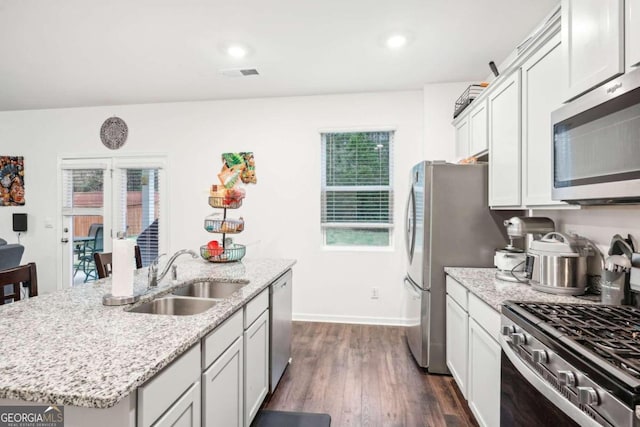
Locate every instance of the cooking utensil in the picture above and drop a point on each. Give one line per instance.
(557, 264)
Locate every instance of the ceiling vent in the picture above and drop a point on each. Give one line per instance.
(239, 72)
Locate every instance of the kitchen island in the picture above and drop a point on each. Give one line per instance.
(72, 350)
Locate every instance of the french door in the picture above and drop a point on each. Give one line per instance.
(101, 197)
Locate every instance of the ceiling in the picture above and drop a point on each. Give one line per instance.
(73, 53)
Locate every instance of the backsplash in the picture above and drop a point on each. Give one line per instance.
(599, 224)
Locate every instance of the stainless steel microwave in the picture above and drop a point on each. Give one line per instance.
(596, 145)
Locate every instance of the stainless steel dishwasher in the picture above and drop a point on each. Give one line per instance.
(280, 338)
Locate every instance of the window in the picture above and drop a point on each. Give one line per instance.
(357, 195)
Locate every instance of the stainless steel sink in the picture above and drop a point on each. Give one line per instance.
(210, 289)
(176, 306)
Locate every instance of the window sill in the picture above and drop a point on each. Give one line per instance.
(383, 249)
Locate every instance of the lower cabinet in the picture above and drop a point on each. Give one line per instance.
(457, 342)
(172, 397)
(256, 366)
(484, 376)
(473, 352)
(222, 389)
(185, 412)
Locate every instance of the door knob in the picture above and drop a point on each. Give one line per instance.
(64, 240)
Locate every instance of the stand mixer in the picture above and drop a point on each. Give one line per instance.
(510, 261)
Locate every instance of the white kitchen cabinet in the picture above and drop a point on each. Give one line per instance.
(592, 43)
(484, 376)
(478, 138)
(223, 389)
(504, 143)
(166, 392)
(632, 34)
(457, 343)
(185, 412)
(256, 366)
(541, 94)
(462, 137)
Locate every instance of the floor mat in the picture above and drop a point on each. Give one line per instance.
(290, 419)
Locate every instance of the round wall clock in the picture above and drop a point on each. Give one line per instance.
(113, 133)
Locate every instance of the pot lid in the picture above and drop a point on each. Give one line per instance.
(555, 244)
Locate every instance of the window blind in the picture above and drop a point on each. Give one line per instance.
(139, 209)
(82, 189)
(357, 180)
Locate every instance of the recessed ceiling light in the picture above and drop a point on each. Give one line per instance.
(396, 41)
(237, 51)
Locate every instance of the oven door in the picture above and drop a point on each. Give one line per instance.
(526, 400)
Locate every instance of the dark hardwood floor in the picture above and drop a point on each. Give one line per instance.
(364, 375)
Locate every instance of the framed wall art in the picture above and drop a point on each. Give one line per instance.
(12, 181)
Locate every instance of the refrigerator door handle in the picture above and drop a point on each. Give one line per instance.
(412, 289)
(410, 232)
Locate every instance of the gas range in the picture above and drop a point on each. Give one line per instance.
(589, 354)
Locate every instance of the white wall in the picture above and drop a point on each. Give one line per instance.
(439, 102)
(282, 212)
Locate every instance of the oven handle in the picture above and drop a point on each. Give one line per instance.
(547, 390)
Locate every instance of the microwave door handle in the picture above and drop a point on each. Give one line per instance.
(545, 389)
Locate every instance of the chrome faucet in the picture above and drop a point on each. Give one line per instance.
(154, 278)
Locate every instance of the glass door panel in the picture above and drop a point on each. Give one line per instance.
(85, 188)
(139, 209)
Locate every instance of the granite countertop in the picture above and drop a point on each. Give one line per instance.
(67, 348)
(483, 283)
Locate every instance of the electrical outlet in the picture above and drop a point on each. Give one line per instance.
(374, 293)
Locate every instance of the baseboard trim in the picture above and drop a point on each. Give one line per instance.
(357, 320)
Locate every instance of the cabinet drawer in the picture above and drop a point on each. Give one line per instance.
(221, 338)
(485, 316)
(457, 292)
(158, 394)
(255, 307)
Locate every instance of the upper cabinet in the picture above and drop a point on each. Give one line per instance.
(632, 34)
(478, 138)
(462, 138)
(504, 143)
(592, 43)
(541, 94)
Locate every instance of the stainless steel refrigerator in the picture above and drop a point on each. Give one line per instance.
(448, 223)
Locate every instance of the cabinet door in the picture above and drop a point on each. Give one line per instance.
(462, 138)
(632, 33)
(478, 128)
(541, 94)
(457, 343)
(484, 376)
(256, 366)
(592, 43)
(222, 389)
(504, 143)
(185, 412)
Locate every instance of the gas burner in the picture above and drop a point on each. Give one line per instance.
(612, 333)
(612, 347)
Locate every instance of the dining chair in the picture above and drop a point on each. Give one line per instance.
(25, 276)
(103, 261)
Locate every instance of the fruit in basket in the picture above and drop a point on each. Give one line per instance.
(214, 248)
